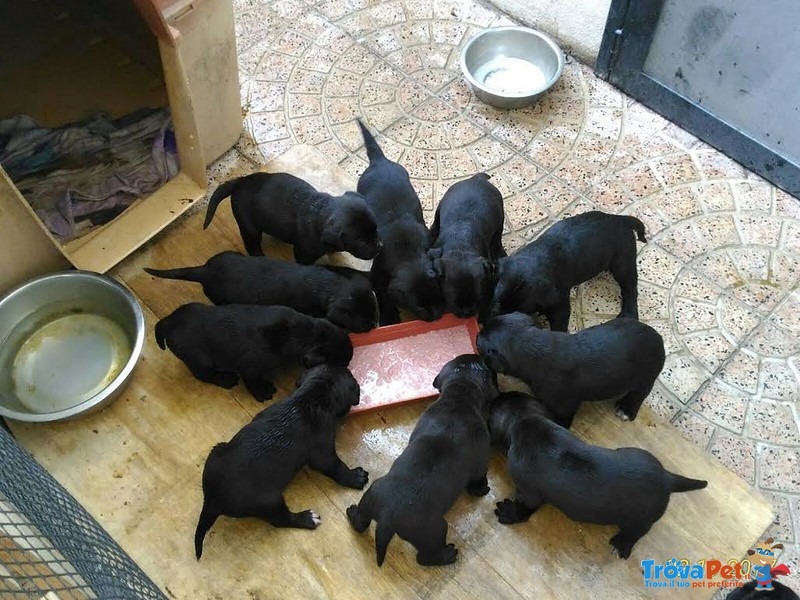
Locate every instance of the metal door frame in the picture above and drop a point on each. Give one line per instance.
(628, 36)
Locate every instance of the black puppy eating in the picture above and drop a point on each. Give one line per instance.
(293, 211)
(467, 237)
(402, 273)
(341, 295)
(626, 487)
(448, 452)
(221, 343)
(538, 277)
(619, 359)
(246, 476)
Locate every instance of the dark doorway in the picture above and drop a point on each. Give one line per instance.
(725, 70)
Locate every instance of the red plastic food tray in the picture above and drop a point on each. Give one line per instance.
(397, 364)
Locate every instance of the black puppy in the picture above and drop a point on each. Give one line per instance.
(221, 343)
(402, 273)
(246, 476)
(293, 211)
(539, 276)
(467, 237)
(341, 295)
(627, 487)
(620, 359)
(448, 452)
(749, 592)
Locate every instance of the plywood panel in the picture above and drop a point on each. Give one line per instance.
(137, 466)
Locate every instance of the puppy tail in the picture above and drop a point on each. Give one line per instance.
(370, 143)
(684, 484)
(636, 225)
(161, 334)
(185, 274)
(383, 535)
(222, 192)
(207, 518)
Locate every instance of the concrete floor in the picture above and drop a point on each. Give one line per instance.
(718, 278)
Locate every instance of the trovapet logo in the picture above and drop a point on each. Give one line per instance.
(713, 573)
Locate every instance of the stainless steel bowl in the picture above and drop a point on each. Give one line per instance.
(68, 344)
(511, 67)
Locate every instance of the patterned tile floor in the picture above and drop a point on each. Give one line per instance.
(718, 278)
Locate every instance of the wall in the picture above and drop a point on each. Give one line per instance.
(577, 25)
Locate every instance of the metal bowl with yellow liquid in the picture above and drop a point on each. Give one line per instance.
(68, 344)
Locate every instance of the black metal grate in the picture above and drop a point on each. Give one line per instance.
(50, 547)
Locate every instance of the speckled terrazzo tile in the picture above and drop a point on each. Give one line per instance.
(741, 370)
(786, 205)
(781, 528)
(676, 169)
(653, 301)
(771, 340)
(267, 126)
(691, 316)
(524, 210)
(772, 421)
(715, 196)
(736, 452)
(662, 402)
(756, 228)
(779, 380)
(609, 196)
(787, 315)
(513, 242)
(694, 428)
(717, 230)
(273, 149)
(751, 196)
(553, 194)
(639, 180)
(710, 348)
(735, 319)
(716, 165)
(752, 262)
(600, 296)
(654, 222)
(723, 405)
(683, 376)
(683, 241)
(779, 469)
(657, 266)
(678, 204)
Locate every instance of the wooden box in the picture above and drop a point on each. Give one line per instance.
(74, 58)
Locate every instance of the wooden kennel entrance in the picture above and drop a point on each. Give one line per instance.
(74, 58)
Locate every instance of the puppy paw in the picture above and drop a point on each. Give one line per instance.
(480, 488)
(357, 520)
(307, 519)
(450, 553)
(507, 512)
(620, 548)
(623, 415)
(358, 478)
